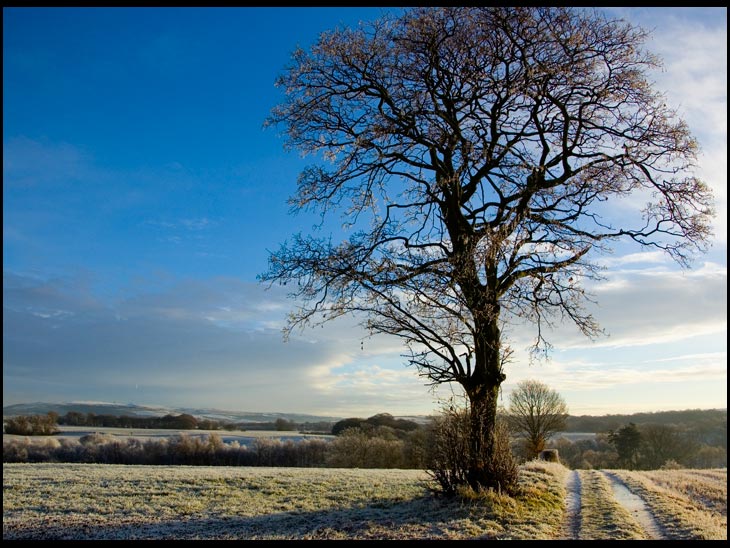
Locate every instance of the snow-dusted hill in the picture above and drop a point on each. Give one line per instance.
(134, 410)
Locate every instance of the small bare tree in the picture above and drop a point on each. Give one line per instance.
(537, 412)
(471, 152)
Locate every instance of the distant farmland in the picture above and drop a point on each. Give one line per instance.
(244, 437)
(88, 501)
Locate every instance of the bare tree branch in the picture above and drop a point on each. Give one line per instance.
(471, 151)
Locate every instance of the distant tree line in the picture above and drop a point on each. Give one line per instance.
(20, 424)
(710, 424)
(183, 421)
(647, 446)
(399, 426)
(286, 425)
(381, 441)
(692, 439)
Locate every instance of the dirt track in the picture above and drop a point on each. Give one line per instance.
(637, 507)
(619, 504)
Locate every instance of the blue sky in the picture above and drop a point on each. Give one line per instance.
(141, 196)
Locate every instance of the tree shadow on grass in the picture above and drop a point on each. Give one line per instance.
(425, 517)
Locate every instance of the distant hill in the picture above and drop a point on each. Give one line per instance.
(133, 410)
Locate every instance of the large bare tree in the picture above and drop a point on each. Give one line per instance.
(470, 153)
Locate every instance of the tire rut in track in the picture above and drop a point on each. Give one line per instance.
(571, 527)
(637, 507)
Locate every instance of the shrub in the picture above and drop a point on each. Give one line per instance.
(358, 448)
(549, 455)
(95, 439)
(378, 448)
(451, 454)
(671, 465)
(32, 425)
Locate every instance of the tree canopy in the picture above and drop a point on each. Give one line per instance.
(537, 412)
(472, 152)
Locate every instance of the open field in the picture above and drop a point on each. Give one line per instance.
(90, 501)
(244, 437)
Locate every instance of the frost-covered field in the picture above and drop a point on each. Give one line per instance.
(244, 437)
(89, 501)
(73, 501)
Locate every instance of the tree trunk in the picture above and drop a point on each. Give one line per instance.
(536, 444)
(483, 422)
(486, 469)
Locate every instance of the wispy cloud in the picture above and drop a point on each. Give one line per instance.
(692, 42)
(197, 224)
(35, 163)
(695, 53)
(695, 75)
(579, 375)
(655, 308)
(181, 231)
(643, 257)
(188, 341)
